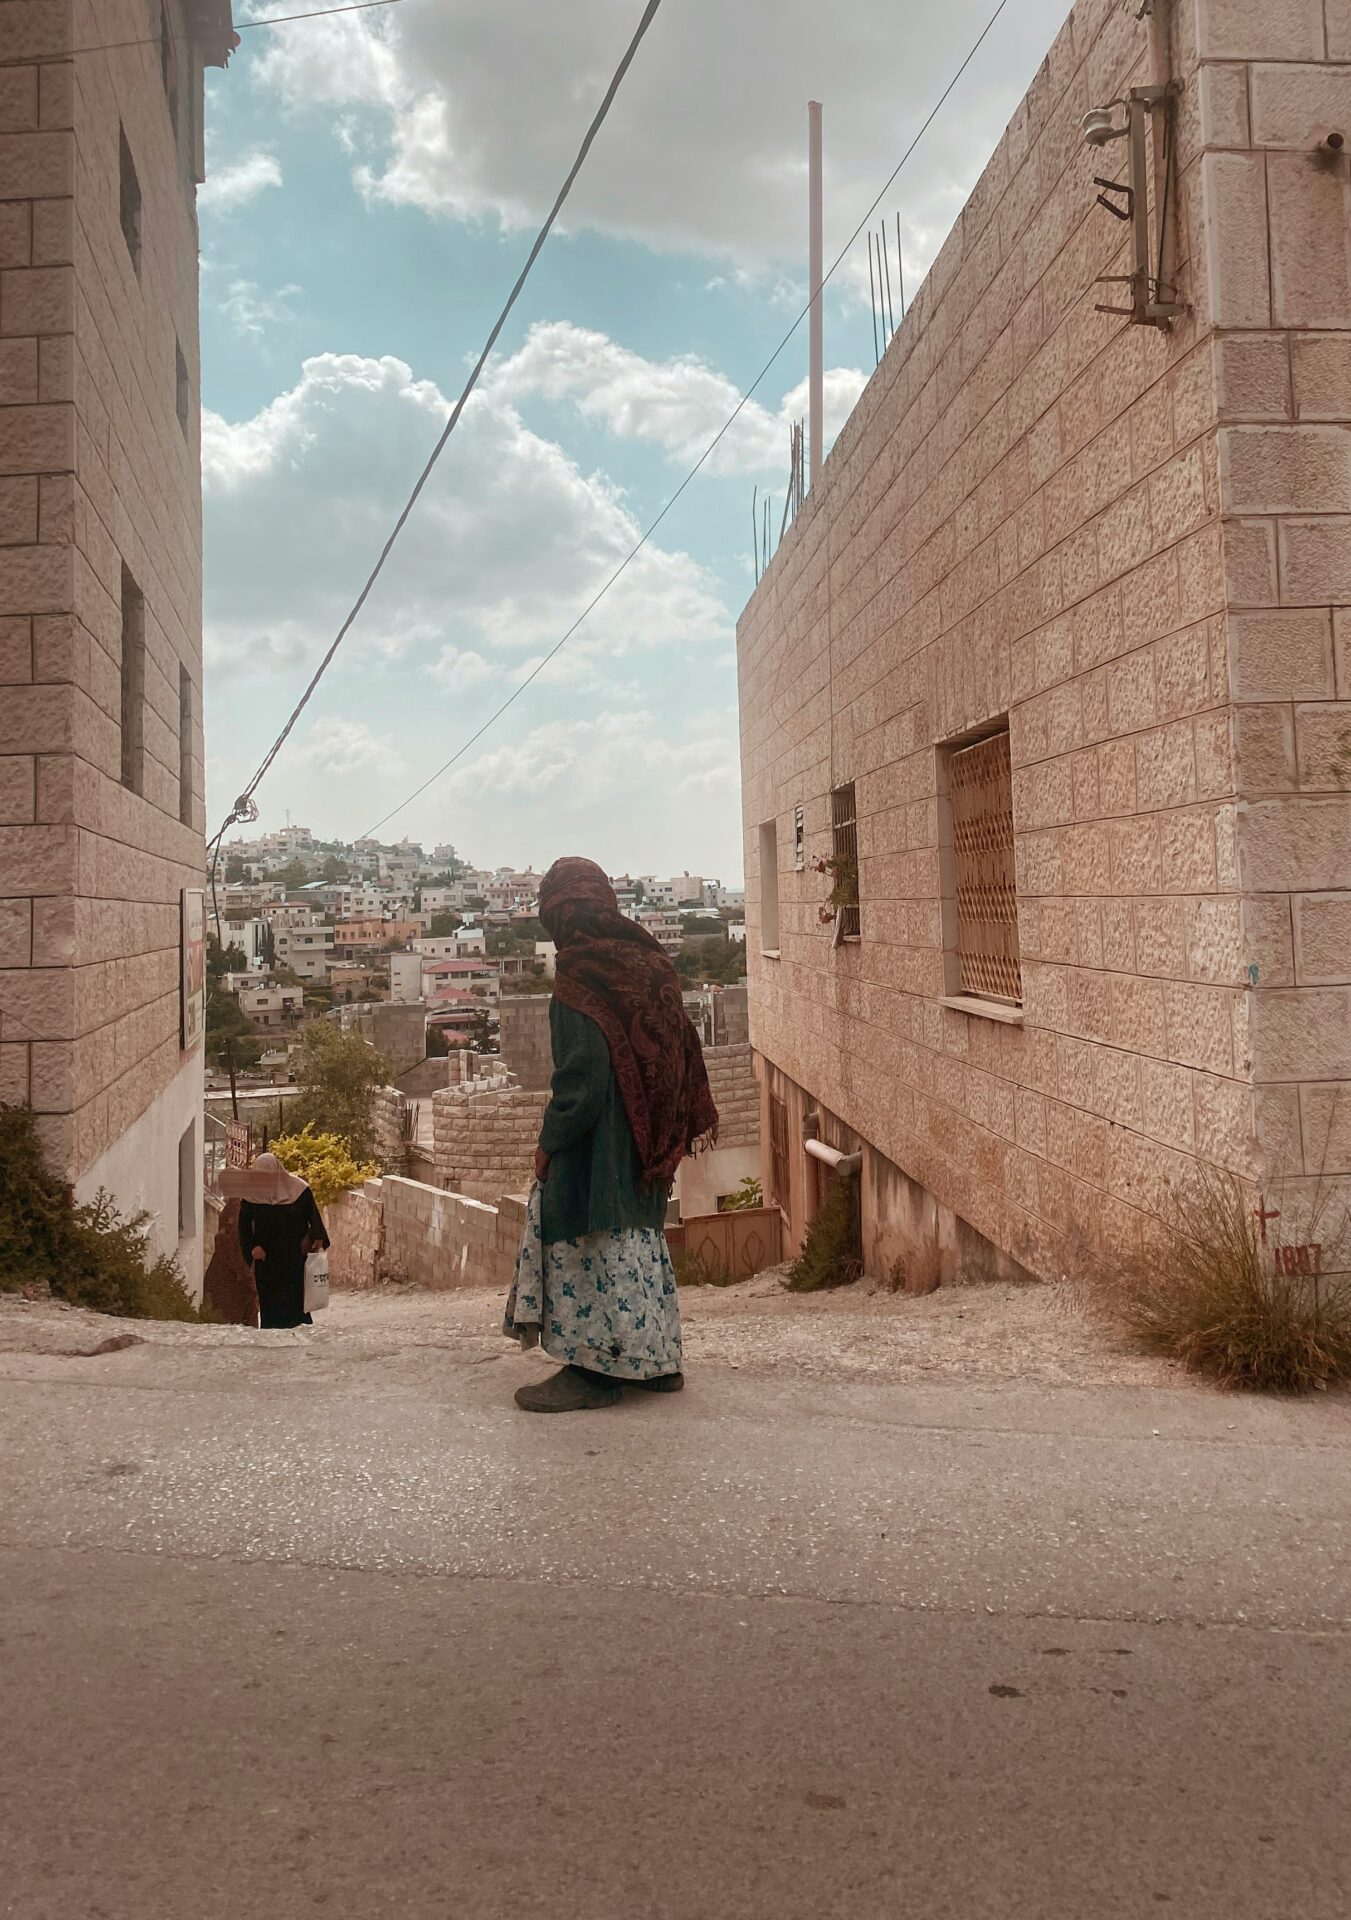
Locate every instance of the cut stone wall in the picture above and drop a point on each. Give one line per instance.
(731, 1076)
(1136, 545)
(485, 1138)
(99, 473)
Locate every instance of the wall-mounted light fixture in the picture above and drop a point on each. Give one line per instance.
(1144, 110)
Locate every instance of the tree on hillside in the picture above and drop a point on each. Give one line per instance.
(338, 1075)
(221, 960)
(228, 1034)
(712, 962)
(294, 874)
(445, 924)
(236, 873)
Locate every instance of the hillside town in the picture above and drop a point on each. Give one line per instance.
(303, 928)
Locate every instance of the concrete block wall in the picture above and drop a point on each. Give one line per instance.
(524, 1039)
(355, 1223)
(437, 1239)
(1136, 545)
(97, 474)
(485, 1137)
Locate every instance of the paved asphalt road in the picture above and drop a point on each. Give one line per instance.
(331, 1629)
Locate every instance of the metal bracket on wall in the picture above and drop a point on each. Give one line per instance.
(1144, 106)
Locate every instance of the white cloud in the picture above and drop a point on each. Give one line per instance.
(236, 183)
(629, 756)
(508, 543)
(461, 668)
(478, 110)
(346, 747)
(678, 405)
(251, 312)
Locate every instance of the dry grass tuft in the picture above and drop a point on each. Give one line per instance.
(1209, 1294)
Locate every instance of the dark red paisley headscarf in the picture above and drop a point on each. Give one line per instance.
(612, 970)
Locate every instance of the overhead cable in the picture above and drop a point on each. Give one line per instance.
(708, 451)
(245, 800)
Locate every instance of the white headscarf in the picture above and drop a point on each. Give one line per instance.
(271, 1185)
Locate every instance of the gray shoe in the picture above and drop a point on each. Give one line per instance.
(571, 1391)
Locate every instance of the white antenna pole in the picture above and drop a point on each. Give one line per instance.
(816, 350)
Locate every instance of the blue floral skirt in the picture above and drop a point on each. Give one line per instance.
(607, 1301)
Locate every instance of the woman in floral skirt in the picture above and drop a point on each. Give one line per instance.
(594, 1283)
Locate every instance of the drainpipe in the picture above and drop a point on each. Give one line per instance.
(816, 348)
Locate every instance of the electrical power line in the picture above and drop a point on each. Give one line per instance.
(240, 26)
(708, 451)
(245, 802)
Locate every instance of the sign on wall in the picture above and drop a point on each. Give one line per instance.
(192, 997)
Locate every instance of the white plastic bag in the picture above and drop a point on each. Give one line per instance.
(316, 1280)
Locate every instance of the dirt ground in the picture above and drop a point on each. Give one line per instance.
(1028, 1334)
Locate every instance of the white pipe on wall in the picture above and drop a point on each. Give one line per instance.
(846, 1163)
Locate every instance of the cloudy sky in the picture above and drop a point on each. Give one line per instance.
(375, 181)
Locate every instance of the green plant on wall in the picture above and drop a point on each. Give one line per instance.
(746, 1197)
(842, 869)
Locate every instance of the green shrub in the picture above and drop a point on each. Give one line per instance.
(1210, 1293)
(325, 1161)
(832, 1254)
(90, 1255)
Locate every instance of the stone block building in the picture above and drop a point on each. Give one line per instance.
(101, 790)
(1054, 667)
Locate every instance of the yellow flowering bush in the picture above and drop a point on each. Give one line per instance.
(325, 1160)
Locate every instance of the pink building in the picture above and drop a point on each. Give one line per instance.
(1054, 667)
(101, 797)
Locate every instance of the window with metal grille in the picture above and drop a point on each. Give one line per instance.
(778, 1153)
(133, 685)
(844, 860)
(980, 796)
(130, 201)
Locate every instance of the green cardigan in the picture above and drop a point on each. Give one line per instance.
(593, 1184)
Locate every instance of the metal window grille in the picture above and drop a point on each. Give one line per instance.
(778, 1152)
(844, 837)
(980, 787)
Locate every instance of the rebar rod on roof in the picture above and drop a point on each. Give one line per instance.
(886, 267)
(872, 296)
(900, 264)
